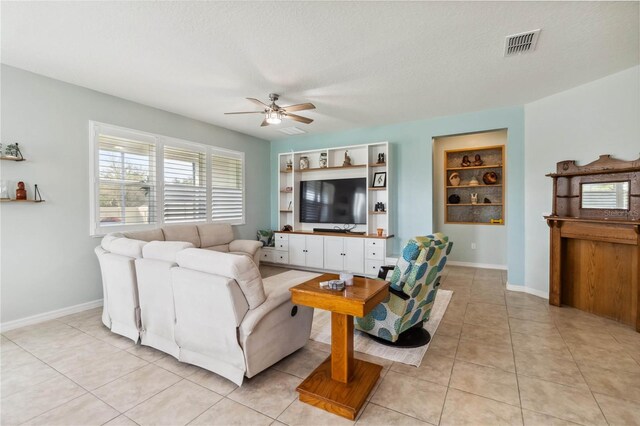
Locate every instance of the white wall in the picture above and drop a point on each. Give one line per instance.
(48, 261)
(601, 117)
(491, 241)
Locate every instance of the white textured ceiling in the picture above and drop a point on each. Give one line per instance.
(361, 64)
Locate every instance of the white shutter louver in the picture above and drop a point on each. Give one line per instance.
(185, 185)
(126, 181)
(227, 195)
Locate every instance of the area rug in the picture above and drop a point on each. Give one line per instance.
(321, 332)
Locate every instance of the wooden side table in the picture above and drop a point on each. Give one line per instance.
(341, 384)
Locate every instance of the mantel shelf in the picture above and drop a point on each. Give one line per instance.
(473, 186)
(21, 201)
(488, 166)
(594, 172)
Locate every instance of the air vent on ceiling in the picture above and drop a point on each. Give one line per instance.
(291, 131)
(520, 43)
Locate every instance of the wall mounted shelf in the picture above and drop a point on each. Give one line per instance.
(378, 165)
(474, 186)
(377, 189)
(477, 204)
(489, 166)
(21, 201)
(315, 169)
(8, 158)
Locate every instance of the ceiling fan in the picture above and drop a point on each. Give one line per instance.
(273, 114)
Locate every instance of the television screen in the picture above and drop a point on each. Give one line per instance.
(340, 201)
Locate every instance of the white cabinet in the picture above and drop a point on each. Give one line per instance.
(306, 250)
(344, 254)
(273, 255)
(376, 252)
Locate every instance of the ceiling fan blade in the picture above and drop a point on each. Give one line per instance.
(264, 123)
(299, 118)
(259, 103)
(245, 112)
(299, 107)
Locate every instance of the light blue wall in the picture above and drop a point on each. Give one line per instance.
(412, 170)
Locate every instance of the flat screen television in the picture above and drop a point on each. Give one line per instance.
(341, 201)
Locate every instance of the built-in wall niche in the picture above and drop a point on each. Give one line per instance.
(364, 164)
(474, 185)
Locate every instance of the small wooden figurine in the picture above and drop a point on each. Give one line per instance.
(347, 159)
(465, 161)
(21, 193)
(478, 161)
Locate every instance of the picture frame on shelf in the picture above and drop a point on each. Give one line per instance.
(379, 180)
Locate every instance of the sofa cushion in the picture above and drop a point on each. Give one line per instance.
(215, 234)
(164, 250)
(187, 233)
(108, 239)
(127, 247)
(240, 268)
(150, 235)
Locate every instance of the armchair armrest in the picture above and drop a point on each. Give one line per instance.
(246, 246)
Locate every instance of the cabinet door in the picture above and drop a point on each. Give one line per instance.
(297, 250)
(354, 255)
(333, 253)
(315, 251)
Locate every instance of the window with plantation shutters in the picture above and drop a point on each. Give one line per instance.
(185, 185)
(126, 181)
(227, 190)
(142, 181)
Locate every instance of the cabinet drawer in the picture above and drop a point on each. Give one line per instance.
(376, 253)
(281, 257)
(282, 245)
(267, 255)
(372, 267)
(375, 243)
(282, 237)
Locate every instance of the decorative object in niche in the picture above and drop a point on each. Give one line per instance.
(287, 228)
(380, 180)
(21, 193)
(474, 198)
(288, 189)
(379, 231)
(323, 160)
(4, 190)
(304, 162)
(454, 199)
(465, 161)
(13, 151)
(381, 158)
(454, 179)
(347, 159)
(474, 182)
(496, 221)
(490, 178)
(478, 161)
(289, 165)
(486, 200)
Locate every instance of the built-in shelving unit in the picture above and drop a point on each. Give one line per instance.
(364, 164)
(467, 212)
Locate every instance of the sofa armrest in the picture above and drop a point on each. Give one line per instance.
(246, 246)
(254, 316)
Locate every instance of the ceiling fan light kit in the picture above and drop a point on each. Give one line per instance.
(273, 113)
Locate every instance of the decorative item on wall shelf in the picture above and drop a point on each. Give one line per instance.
(323, 160)
(496, 221)
(379, 180)
(289, 208)
(347, 159)
(478, 161)
(474, 182)
(487, 201)
(490, 178)
(474, 198)
(379, 231)
(379, 207)
(21, 193)
(454, 199)
(289, 165)
(380, 158)
(287, 228)
(288, 189)
(4, 190)
(12, 151)
(304, 162)
(454, 179)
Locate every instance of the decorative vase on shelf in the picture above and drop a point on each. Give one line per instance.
(490, 178)
(323, 160)
(304, 162)
(474, 182)
(454, 179)
(21, 193)
(474, 198)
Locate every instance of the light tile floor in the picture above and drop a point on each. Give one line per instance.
(498, 357)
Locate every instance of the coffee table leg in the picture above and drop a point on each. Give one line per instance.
(341, 347)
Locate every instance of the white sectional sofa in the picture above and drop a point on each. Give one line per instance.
(205, 306)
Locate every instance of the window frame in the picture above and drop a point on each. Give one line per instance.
(159, 141)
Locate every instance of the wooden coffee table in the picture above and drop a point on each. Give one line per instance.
(342, 383)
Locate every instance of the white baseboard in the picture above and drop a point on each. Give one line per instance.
(477, 265)
(46, 316)
(528, 290)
